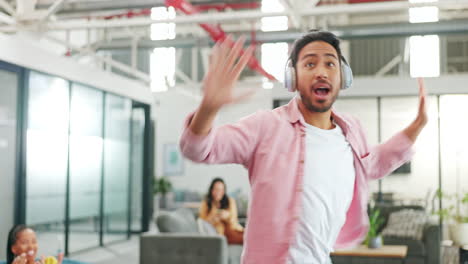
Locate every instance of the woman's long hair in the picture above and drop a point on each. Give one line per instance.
(12, 237)
(224, 203)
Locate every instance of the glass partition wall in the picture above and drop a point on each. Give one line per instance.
(86, 150)
(137, 168)
(454, 153)
(84, 167)
(116, 168)
(47, 158)
(432, 167)
(382, 117)
(10, 77)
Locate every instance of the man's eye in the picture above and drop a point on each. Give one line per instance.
(310, 64)
(331, 64)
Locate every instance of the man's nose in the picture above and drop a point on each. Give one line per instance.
(321, 73)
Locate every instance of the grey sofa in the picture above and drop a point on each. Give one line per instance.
(425, 251)
(179, 242)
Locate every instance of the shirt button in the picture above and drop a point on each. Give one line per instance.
(296, 217)
(302, 161)
(299, 189)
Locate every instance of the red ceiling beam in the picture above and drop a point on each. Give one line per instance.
(370, 1)
(216, 33)
(222, 7)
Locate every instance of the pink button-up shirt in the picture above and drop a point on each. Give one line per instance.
(271, 145)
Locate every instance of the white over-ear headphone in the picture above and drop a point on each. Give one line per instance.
(290, 75)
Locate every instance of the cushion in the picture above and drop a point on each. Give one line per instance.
(206, 228)
(387, 209)
(407, 223)
(415, 247)
(179, 221)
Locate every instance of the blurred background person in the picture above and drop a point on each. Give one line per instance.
(22, 247)
(221, 211)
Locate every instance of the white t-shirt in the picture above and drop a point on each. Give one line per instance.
(327, 193)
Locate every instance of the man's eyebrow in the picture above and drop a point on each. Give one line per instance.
(331, 55)
(315, 55)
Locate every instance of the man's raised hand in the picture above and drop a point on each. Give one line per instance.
(422, 109)
(413, 130)
(227, 63)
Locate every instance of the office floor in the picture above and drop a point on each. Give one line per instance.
(119, 252)
(84, 241)
(126, 252)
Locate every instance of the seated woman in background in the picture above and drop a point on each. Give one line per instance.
(22, 247)
(221, 211)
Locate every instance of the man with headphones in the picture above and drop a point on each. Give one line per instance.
(308, 165)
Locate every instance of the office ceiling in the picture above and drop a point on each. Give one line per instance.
(236, 15)
(125, 24)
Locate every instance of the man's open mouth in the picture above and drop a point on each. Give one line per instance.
(322, 91)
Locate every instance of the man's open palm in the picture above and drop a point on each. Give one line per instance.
(422, 109)
(227, 63)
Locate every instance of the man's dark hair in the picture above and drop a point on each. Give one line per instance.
(311, 36)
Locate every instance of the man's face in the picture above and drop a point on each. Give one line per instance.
(318, 76)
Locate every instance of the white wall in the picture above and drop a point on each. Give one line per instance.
(399, 107)
(397, 113)
(170, 113)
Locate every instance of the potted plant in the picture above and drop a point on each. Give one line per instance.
(161, 187)
(374, 239)
(457, 215)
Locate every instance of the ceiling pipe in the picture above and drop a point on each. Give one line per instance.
(204, 7)
(345, 33)
(118, 65)
(253, 15)
(7, 19)
(53, 9)
(224, 6)
(128, 14)
(8, 7)
(90, 6)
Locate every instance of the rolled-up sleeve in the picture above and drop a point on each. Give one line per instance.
(388, 156)
(232, 143)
